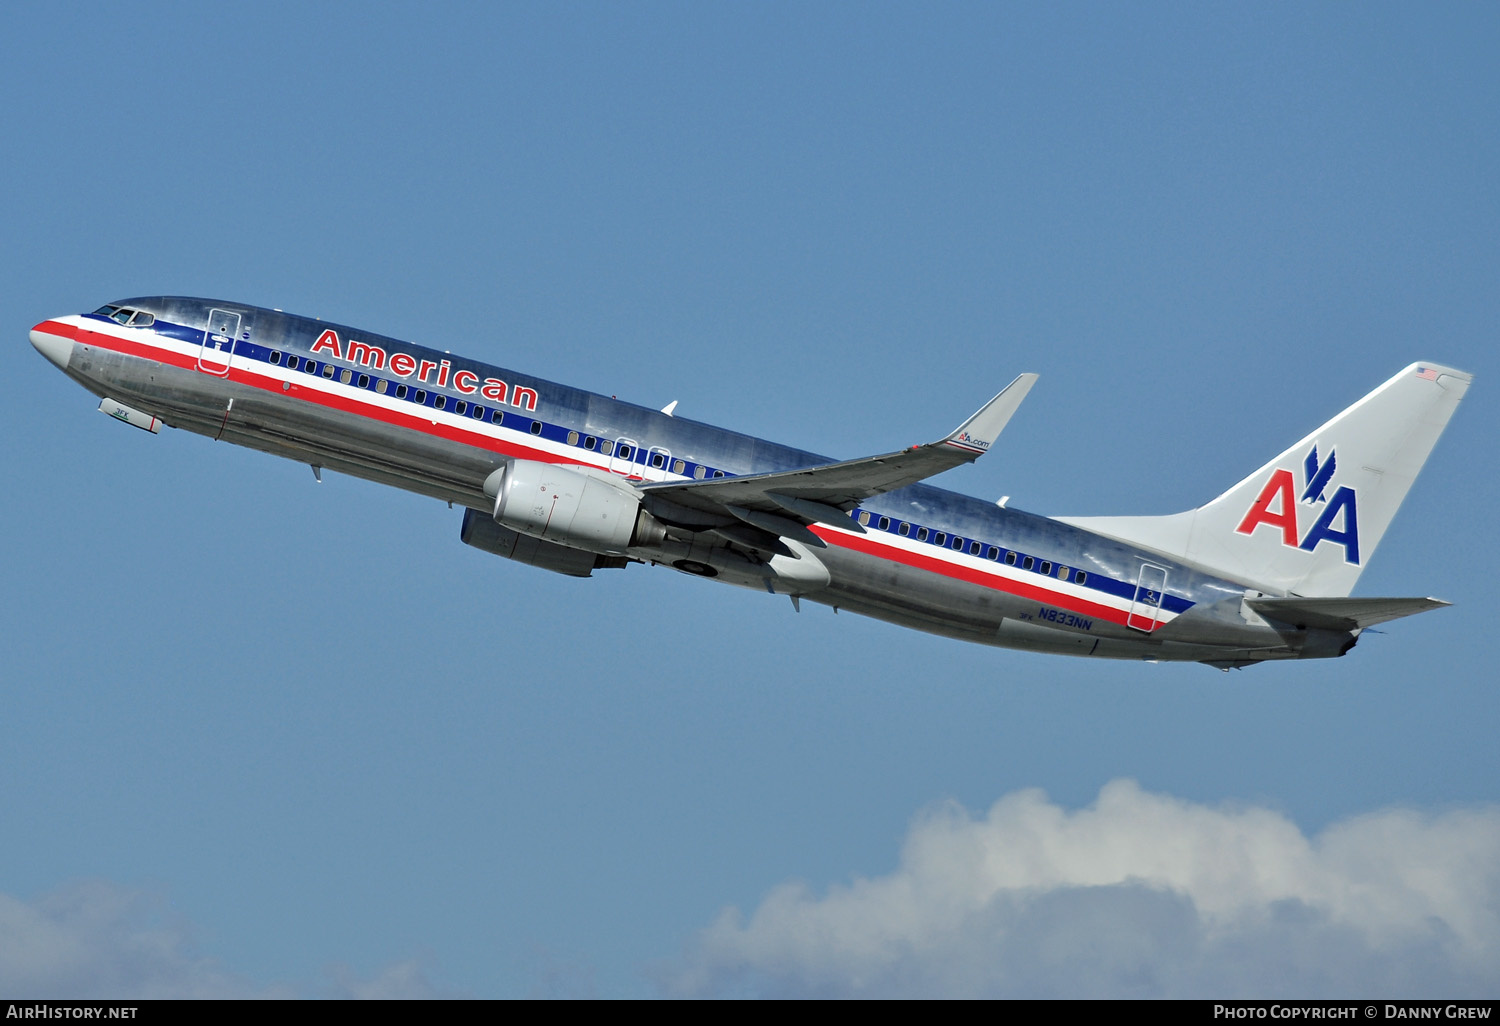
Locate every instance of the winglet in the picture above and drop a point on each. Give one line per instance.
(979, 432)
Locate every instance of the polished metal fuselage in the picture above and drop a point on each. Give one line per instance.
(184, 373)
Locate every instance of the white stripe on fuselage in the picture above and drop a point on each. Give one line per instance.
(1065, 590)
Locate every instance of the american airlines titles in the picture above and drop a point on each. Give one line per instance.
(433, 372)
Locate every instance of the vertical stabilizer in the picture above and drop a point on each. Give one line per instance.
(1307, 522)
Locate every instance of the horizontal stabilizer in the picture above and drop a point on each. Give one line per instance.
(1340, 614)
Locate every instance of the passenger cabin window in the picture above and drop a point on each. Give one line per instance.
(940, 538)
(439, 401)
(885, 523)
(401, 391)
(658, 460)
(678, 466)
(364, 381)
(572, 437)
(718, 473)
(1046, 567)
(380, 385)
(420, 397)
(624, 452)
(606, 446)
(921, 534)
(1062, 573)
(536, 427)
(346, 376)
(864, 518)
(276, 359)
(958, 544)
(1027, 563)
(1010, 559)
(1080, 577)
(905, 529)
(328, 371)
(590, 442)
(291, 362)
(992, 553)
(974, 548)
(700, 472)
(478, 413)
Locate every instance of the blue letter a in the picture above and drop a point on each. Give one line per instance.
(1343, 499)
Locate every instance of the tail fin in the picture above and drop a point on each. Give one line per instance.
(1307, 522)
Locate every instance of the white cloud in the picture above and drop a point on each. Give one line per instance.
(1139, 894)
(95, 939)
(401, 980)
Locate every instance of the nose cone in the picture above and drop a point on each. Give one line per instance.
(55, 347)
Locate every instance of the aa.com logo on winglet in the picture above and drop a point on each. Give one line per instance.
(1277, 506)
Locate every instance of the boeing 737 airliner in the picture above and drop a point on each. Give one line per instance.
(574, 482)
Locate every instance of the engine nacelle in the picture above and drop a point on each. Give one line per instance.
(483, 533)
(581, 508)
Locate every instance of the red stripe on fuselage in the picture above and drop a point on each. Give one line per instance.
(59, 329)
(246, 375)
(973, 575)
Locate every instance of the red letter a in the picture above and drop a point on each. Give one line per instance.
(1280, 484)
(329, 341)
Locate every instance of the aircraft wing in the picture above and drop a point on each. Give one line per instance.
(783, 502)
(1340, 614)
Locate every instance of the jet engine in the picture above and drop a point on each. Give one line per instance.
(579, 507)
(483, 533)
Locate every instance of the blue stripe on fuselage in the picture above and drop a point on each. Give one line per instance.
(941, 511)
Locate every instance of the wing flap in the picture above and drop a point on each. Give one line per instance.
(815, 512)
(777, 525)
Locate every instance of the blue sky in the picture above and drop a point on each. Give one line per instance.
(265, 736)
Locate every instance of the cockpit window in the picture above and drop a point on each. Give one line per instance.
(126, 315)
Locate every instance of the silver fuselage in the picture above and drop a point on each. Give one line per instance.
(440, 424)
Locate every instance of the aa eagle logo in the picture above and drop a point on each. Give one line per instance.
(1336, 520)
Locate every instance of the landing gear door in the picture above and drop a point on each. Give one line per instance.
(1150, 589)
(217, 352)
